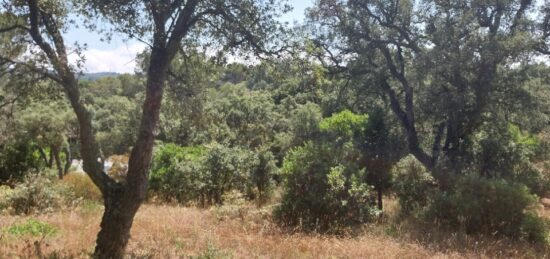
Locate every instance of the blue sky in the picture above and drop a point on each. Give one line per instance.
(118, 55)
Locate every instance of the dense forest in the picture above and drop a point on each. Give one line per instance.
(367, 114)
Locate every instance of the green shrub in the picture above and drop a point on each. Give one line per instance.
(38, 193)
(32, 227)
(344, 124)
(489, 206)
(17, 159)
(176, 173)
(321, 194)
(537, 180)
(5, 193)
(225, 169)
(204, 174)
(535, 228)
(413, 185)
(261, 177)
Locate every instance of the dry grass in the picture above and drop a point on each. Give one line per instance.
(83, 186)
(162, 231)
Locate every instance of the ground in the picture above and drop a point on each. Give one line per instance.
(240, 231)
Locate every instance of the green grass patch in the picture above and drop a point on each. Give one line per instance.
(32, 227)
(90, 207)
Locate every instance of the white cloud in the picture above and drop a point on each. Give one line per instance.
(121, 59)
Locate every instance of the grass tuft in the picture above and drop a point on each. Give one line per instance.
(33, 228)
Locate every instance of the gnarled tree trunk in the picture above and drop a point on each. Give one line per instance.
(122, 204)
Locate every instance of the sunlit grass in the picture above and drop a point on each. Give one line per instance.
(162, 231)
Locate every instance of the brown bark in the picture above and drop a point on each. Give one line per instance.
(380, 196)
(57, 159)
(43, 156)
(68, 159)
(122, 200)
(122, 203)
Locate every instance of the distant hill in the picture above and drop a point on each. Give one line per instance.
(96, 76)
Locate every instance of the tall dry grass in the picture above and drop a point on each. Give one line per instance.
(162, 231)
(82, 186)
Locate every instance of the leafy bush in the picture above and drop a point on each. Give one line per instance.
(305, 123)
(506, 152)
(321, 193)
(175, 173)
(37, 193)
(536, 179)
(32, 227)
(16, 159)
(413, 184)
(535, 228)
(490, 206)
(82, 186)
(5, 193)
(344, 124)
(204, 174)
(225, 169)
(261, 177)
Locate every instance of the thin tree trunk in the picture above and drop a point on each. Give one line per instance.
(68, 159)
(57, 158)
(380, 205)
(51, 159)
(43, 155)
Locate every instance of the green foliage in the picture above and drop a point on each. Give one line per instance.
(521, 138)
(535, 229)
(47, 124)
(37, 194)
(489, 206)
(344, 124)
(323, 190)
(203, 175)
(175, 172)
(116, 121)
(502, 150)
(225, 169)
(240, 117)
(304, 123)
(413, 185)
(261, 177)
(33, 228)
(5, 192)
(17, 158)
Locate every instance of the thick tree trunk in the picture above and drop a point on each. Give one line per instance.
(122, 205)
(115, 225)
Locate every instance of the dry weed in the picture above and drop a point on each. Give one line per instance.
(162, 231)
